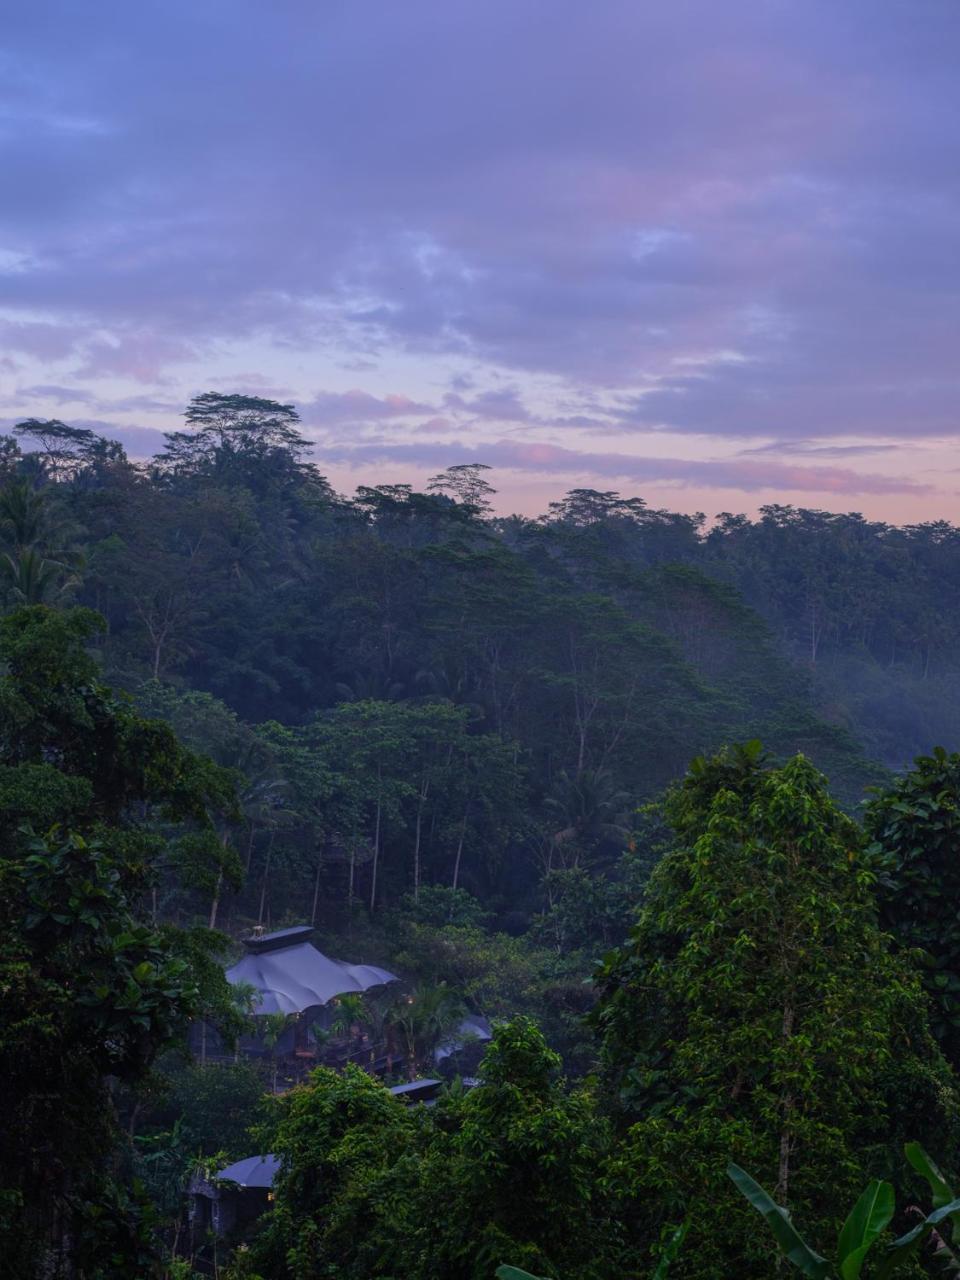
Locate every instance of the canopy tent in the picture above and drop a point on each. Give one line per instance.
(368, 975)
(473, 1028)
(255, 1171)
(290, 974)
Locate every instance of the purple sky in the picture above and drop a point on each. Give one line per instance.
(705, 252)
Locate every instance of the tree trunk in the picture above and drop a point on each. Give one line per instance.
(376, 849)
(786, 1106)
(456, 864)
(266, 877)
(215, 904)
(814, 635)
(416, 844)
(316, 893)
(250, 838)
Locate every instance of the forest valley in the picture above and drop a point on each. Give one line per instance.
(498, 757)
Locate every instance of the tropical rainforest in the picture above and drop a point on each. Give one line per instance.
(518, 762)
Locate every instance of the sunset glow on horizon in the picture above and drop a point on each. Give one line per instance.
(706, 254)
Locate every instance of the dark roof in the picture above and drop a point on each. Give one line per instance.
(255, 1171)
(281, 938)
(416, 1090)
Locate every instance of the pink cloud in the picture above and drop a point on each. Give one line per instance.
(329, 408)
(142, 356)
(543, 460)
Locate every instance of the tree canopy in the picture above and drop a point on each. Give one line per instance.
(94, 989)
(758, 1013)
(453, 742)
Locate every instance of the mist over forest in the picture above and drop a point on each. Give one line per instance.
(228, 566)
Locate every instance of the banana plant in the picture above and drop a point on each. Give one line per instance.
(868, 1218)
(946, 1209)
(865, 1223)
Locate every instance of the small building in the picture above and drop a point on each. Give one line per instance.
(225, 1205)
(417, 1091)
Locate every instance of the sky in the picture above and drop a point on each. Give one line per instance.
(705, 253)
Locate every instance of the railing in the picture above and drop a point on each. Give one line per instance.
(293, 1068)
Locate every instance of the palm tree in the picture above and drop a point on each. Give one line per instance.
(36, 563)
(380, 1017)
(30, 579)
(271, 1027)
(425, 1019)
(348, 1015)
(590, 810)
(244, 997)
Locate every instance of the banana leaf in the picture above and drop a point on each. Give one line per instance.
(792, 1245)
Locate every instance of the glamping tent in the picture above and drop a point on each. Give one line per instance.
(291, 975)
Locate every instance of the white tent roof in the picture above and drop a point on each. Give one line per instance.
(291, 975)
(255, 1171)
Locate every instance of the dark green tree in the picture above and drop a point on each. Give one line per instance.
(914, 829)
(758, 1013)
(65, 451)
(519, 1176)
(238, 439)
(511, 1169)
(38, 561)
(340, 1140)
(92, 990)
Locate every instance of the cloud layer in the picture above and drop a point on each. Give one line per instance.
(578, 229)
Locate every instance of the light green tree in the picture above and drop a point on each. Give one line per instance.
(757, 1013)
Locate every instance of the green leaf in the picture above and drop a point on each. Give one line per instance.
(514, 1273)
(942, 1192)
(792, 1245)
(869, 1217)
(912, 1242)
(902, 1249)
(670, 1253)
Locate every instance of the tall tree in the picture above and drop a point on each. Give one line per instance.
(241, 439)
(64, 450)
(757, 1013)
(92, 990)
(465, 483)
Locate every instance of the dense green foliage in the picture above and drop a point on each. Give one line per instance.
(758, 1013)
(446, 697)
(369, 1188)
(915, 830)
(440, 737)
(92, 988)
